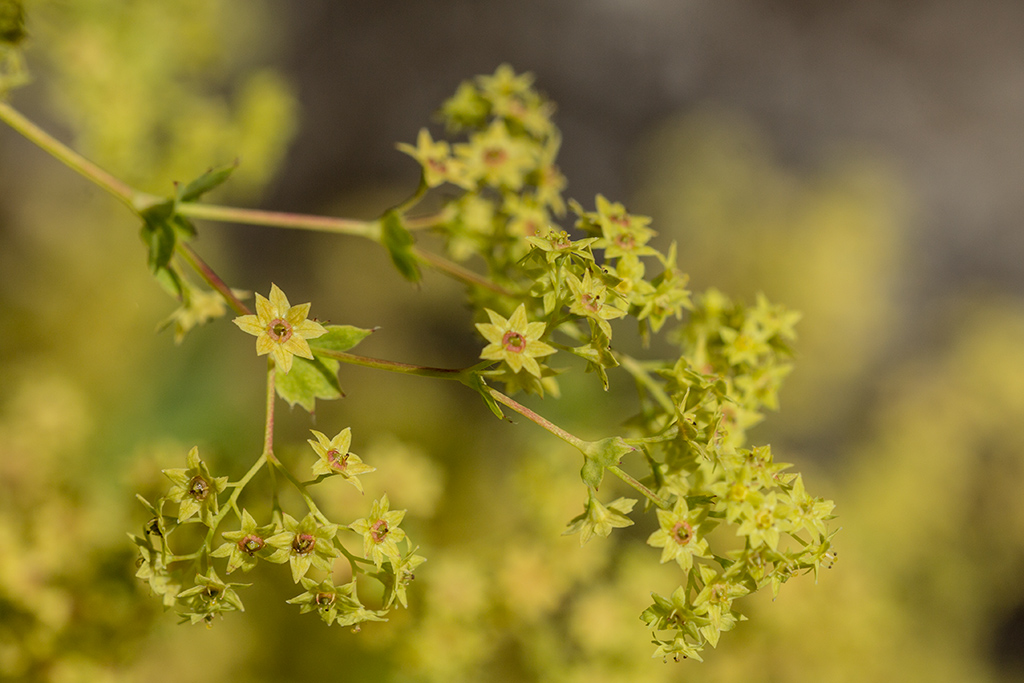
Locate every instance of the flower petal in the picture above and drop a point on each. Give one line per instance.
(279, 301)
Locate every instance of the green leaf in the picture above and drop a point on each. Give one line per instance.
(309, 380)
(158, 234)
(601, 454)
(183, 227)
(475, 382)
(398, 241)
(170, 281)
(339, 338)
(204, 183)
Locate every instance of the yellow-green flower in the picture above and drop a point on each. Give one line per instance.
(380, 532)
(304, 544)
(195, 489)
(514, 340)
(280, 328)
(677, 535)
(438, 164)
(600, 519)
(590, 300)
(335, 458)
(495, 158)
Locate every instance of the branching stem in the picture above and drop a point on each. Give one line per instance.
(67, 156)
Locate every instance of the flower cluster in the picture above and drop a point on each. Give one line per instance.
(309, 546)
(730, 518)
(567, 293)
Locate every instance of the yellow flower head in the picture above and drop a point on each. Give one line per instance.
(280, 328)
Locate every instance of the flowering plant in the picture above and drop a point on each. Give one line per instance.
(549, 299)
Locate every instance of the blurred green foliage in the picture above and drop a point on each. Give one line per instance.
(93, 404)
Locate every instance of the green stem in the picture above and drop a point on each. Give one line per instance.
(457, 272)
(424, 222)
(633, 367)
(279, 219)
(268, 428)
(392, 366)
(575, 441)
(537, 419)
(268, 433)
(301, 488)
(76, 162)
(651, 495)
(211, 278)
(138, 201)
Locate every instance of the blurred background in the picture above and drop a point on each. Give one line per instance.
(862, 162)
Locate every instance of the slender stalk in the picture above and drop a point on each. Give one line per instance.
(76, 162)
(138, 201)
(391, 366)
(279, 219)
(575, 441)
(268, 429)
(424, 222)
(211, 278)
(633, 367)
(454, 270)
(651, 495)
(537, 419)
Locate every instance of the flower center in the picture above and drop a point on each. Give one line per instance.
(494, 156)
(251, 544)
(325, 599)
(561, 241)
(682, 532)
(514, 342)
(303, 544)
(198, 488)
(336, 459)
(279, 330)
(625, 240)
(591, 303)
(379, 531)
(738, 492)
(764, 519)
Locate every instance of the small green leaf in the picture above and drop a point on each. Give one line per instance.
(183, 227)
(475, 382)
(339, 338)
(158, 234)
(204, 183)
(309, 380)
(601, 454)
(398, 241)
(170, 281)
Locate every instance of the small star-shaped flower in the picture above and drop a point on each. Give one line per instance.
(195, 489)
(280, 328)
(514, 340)
(380, 531)
(678, 536)
(435, 157)
(336, 459)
